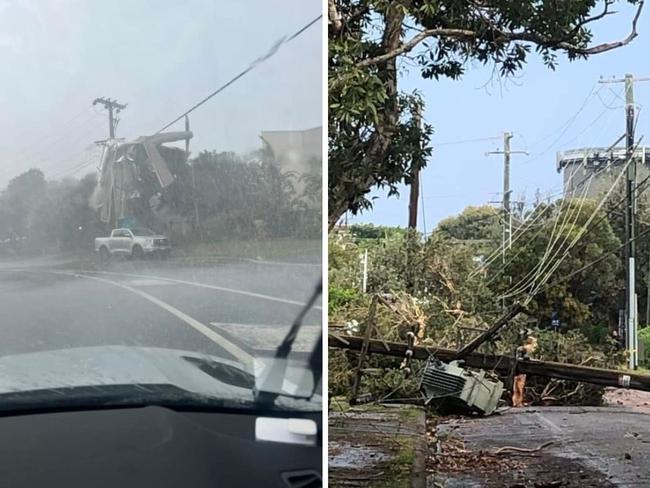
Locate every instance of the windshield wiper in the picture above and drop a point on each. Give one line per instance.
(270, 386)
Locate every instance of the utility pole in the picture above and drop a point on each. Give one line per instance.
(364, 279)
(631, 319)
(414, 197)
(647, 300)
(197, 221)
(630, 223)
(111, 105)
(415, 186)
(507, 213)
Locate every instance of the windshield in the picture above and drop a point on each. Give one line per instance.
(202, 125)
(142, 232)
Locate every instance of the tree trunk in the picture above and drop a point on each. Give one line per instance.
(388, 116)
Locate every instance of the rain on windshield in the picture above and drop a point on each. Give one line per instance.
(160, 201)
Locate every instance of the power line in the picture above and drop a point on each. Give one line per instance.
(43, 146)
(591, 264)
(583, 229)
(465, 141)
(521, 230)
(33, 133)
(570, 179)
(574, 171)
(547, 264)
(75, 169)
(568, 126)
(269, 54)
(605, 254)
(549, 254)
(42, 153)
(513, 291)
(564, 127)
(274, 49)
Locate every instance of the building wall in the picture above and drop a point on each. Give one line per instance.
(577, 166)
(298, 152)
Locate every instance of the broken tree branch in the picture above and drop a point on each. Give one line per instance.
(522, 449)
(333, 16)
(489, 333)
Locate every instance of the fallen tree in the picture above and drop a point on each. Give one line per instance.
(502, 364)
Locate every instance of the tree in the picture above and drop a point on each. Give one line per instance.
(63, 219)
(615, 208)
(374, 137)
(17, 200)
(239, 197)
(474, 223)
(370, 231)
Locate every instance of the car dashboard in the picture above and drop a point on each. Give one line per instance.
(156, 446)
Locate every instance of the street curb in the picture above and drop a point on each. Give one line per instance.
(224, 258)
(420, 451)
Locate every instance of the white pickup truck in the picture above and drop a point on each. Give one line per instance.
(136, 243)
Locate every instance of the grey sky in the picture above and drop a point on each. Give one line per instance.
(536, 107)
(160, 57)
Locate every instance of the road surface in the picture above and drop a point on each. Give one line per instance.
(584, 447)
(210, 306)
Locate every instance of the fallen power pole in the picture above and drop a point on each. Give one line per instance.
(503, 364)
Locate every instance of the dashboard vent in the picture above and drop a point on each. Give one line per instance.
(302, 479)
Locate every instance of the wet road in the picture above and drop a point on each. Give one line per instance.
(591, 447)
(203, 306)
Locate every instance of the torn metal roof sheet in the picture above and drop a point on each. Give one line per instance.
(128, 170)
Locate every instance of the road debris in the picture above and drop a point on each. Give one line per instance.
(504, 449)
(519, 448)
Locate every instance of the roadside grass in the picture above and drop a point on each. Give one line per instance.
(400, 446)
(272, 249)
(300, 251)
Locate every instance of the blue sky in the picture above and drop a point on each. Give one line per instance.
(535, 106)
(160, 57)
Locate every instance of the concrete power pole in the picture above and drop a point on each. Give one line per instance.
(630, 223)
(507, 211)
(111, 105)
(507, 228)
(631, 312)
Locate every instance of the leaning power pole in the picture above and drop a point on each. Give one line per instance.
(113, 108)
(631, 317)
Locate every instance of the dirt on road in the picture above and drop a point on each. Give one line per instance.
(539, 447)
(639, 400)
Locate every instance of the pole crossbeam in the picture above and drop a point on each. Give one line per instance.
(113, 108)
